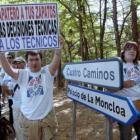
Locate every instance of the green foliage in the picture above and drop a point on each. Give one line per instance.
(70, 27)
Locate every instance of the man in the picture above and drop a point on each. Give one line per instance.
(1, 80)
(37, 119)
(10, 58)
(6, 79)
(13, 88)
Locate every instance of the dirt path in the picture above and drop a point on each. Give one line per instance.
(90, 124)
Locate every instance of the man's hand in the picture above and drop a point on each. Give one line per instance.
(61, 42)
(5, 87)
(57, 57)
(5, 90)
(3, 99)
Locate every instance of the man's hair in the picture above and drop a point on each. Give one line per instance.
(128, 45)
(9, 54)
(33, 53)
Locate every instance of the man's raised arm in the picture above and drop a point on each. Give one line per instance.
(7, 68)
(56, 59)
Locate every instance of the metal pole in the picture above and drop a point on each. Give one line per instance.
(74, 121)
(109, 125)
(109, 128)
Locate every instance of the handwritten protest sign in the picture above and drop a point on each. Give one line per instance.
(29, 27)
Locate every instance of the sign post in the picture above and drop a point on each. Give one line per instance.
(74, 121)
(109, 127)
(106, 73)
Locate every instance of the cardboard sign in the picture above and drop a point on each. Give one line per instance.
(106, 73)
(29, 27)
(116, 107)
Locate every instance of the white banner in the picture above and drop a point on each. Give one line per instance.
(29, 27)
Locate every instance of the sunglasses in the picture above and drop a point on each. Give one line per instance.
(18, 62)
(9, 57)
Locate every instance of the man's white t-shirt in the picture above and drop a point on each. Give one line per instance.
(36, 93)
(6, 77)
(17, 95)
(1, 80)
(131, 71)
(6, 80)
(2, 71)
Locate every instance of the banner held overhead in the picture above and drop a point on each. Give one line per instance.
(29, 27)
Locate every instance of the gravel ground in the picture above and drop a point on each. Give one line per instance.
(90, 125)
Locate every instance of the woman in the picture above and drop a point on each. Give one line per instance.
(131, 73)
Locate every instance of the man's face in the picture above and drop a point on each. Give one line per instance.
(19, 65)
(34, 63)
(9, 58)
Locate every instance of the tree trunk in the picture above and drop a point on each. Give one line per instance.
(69, 50)
(85, 42)
(16, 54)
(80, 28)
(93, 30)
(59, 77)
(134, 21)
(102, 28)
(115, 21)
(86, 48)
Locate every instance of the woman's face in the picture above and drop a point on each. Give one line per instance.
(130, 54)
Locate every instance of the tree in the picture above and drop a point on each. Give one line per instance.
(134, 21)
(102, 26)
(115, 21)
(118, 34)
(93, 29)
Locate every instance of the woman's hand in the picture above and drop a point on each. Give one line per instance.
(129, 83)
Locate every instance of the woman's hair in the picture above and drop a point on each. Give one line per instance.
(33, 53)
(128, 45)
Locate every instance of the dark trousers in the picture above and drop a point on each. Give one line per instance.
(137, 128)
(126, 131)
(10, 102)
(0, 101)
(0, 109)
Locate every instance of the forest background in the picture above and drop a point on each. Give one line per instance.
(92, 29)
